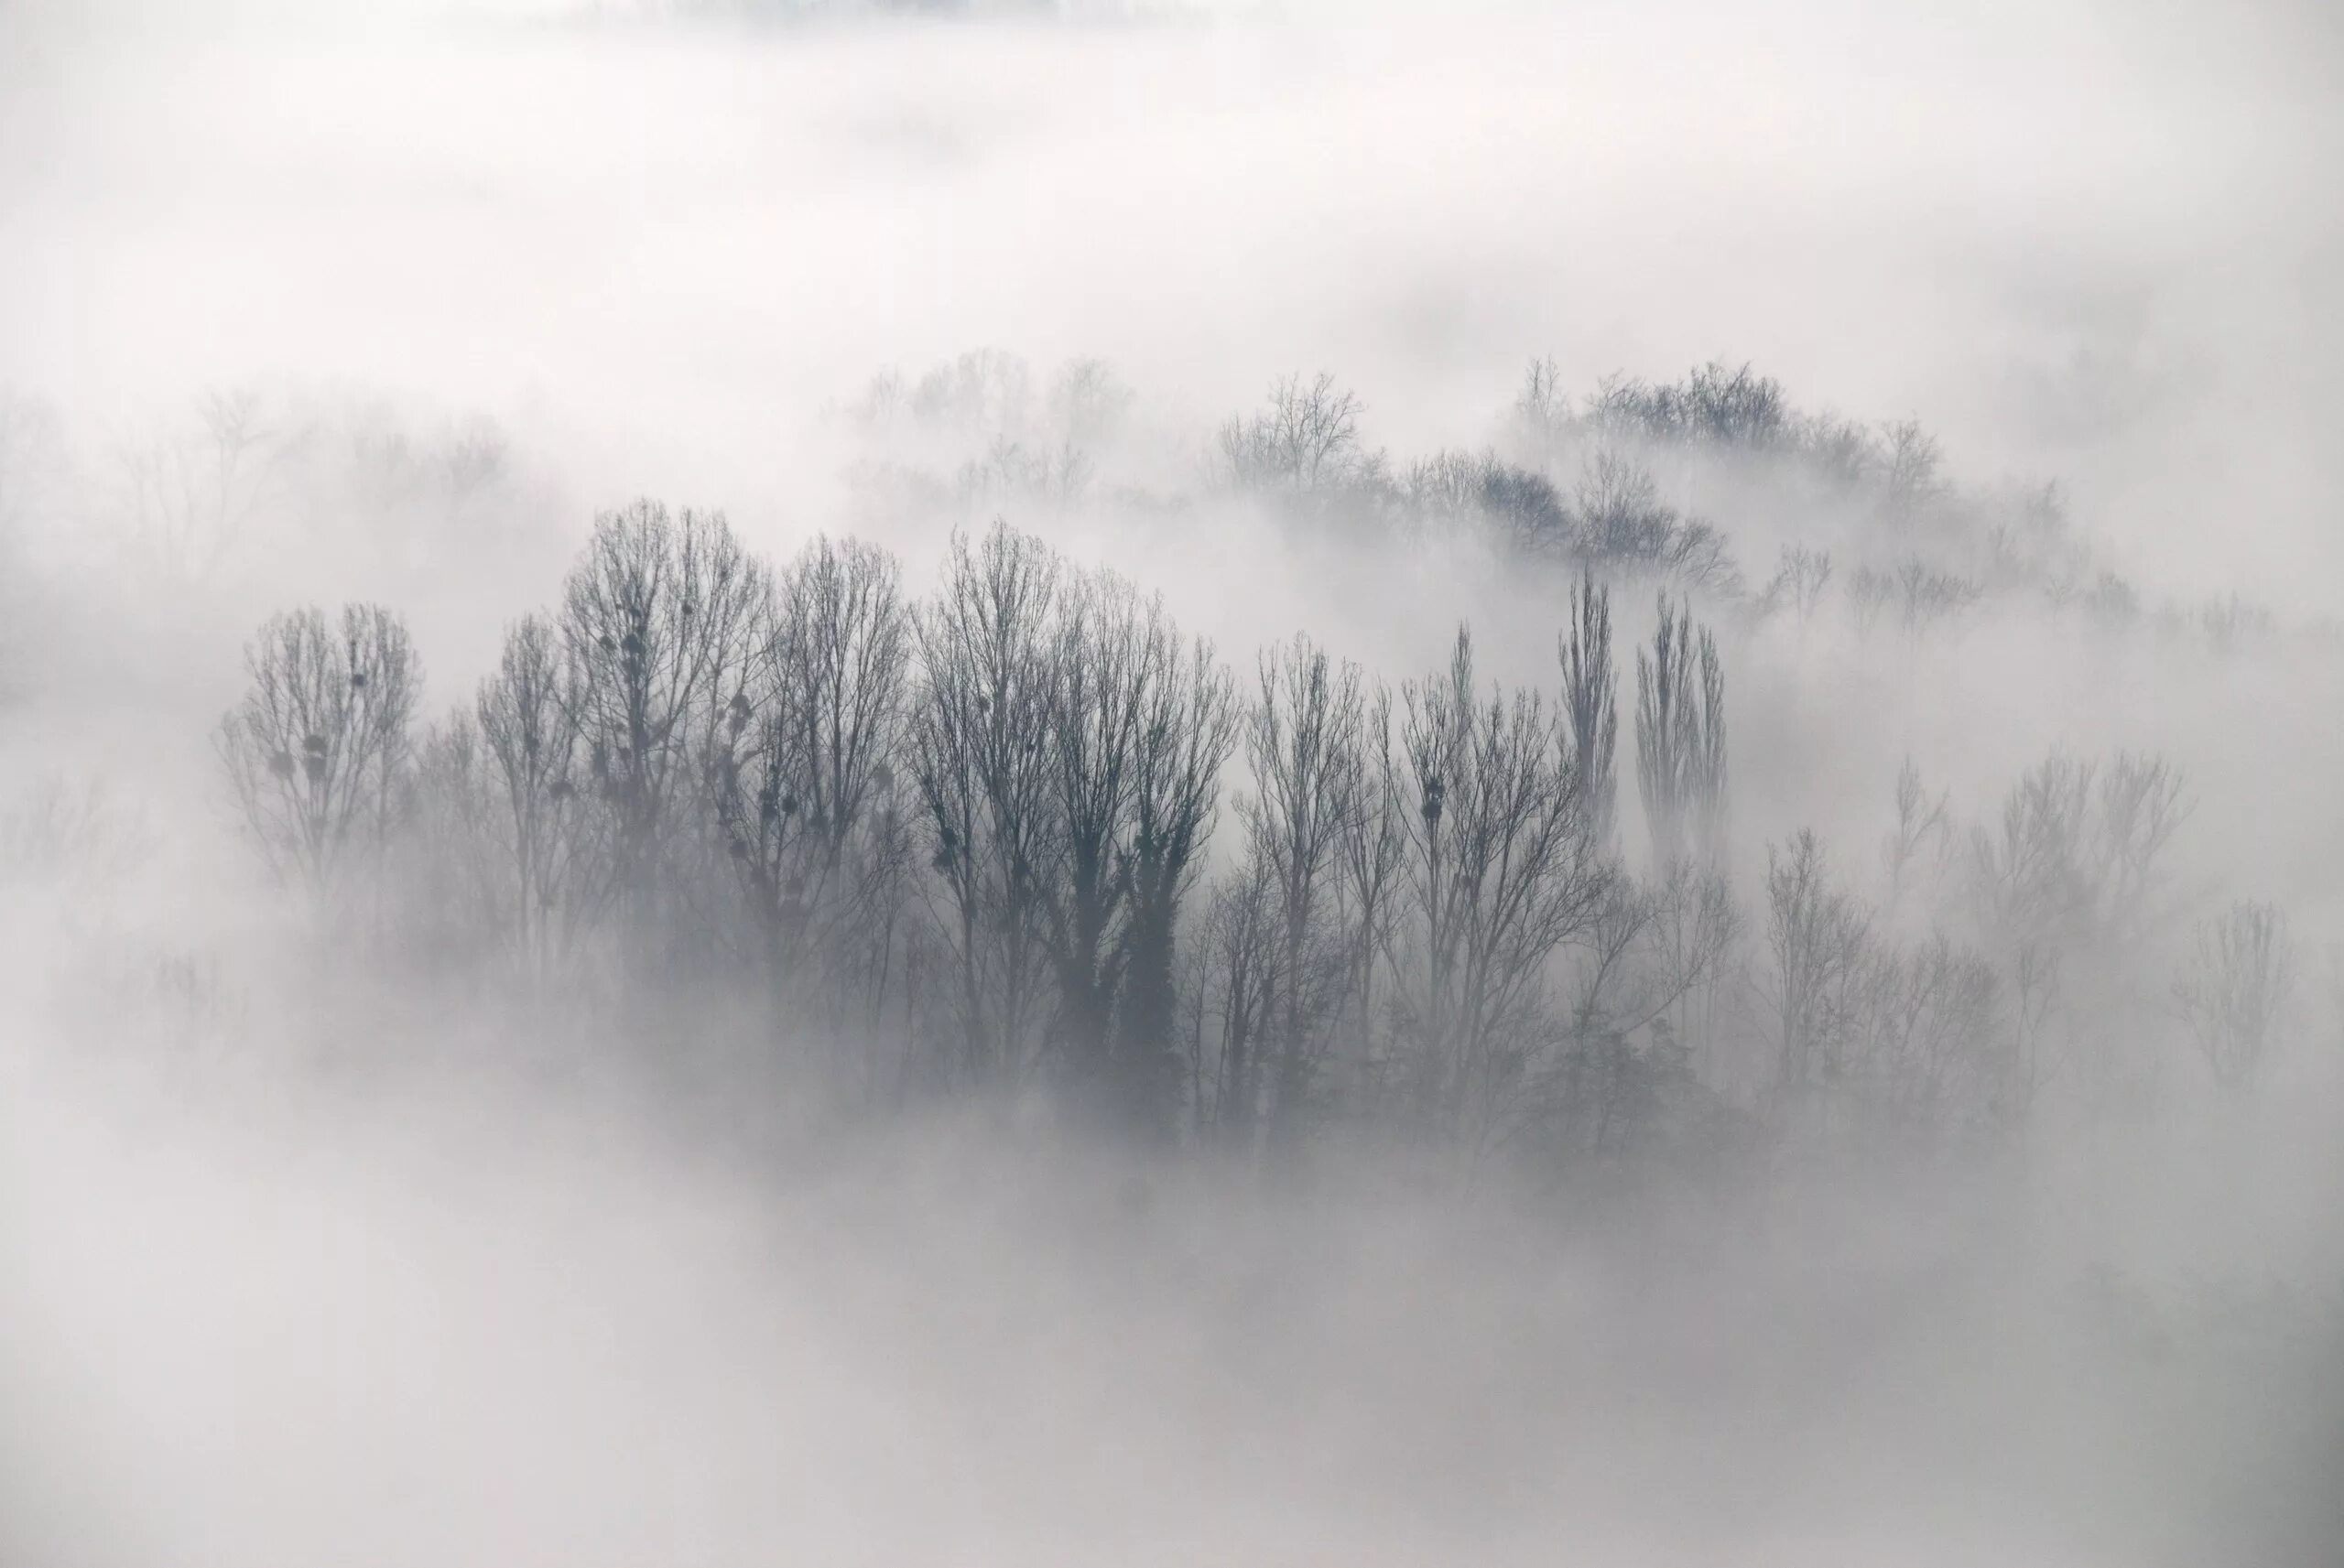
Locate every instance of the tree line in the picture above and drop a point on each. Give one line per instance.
(1023, 832)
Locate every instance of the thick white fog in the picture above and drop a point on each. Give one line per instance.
(860, 1036)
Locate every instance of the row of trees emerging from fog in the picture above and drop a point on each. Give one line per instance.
(1020, 831)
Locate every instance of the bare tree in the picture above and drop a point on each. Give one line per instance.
(1054, 477)
(1543, 416)
(1239, 982)
(1928, 1041)
(1307, 437)
(1087, 405)
(317, 750)
(658, 622)
(1099, 687)
(1818, 938)
(1680, 741)
(553, 835)
(1624, 528)
(981, 759)
(1649, 950)
(1189, 732)
(454, 903)
(983, 392)
(802, 776)
(1306, 749)
(1926, 597)
(2235, 992)
(2073, 862)
(1501, 871)
(1924, 827)
(1797, 588)
(1592, 706)
(189, 496)
(1909, 471)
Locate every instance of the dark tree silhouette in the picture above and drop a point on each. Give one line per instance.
(659, 620)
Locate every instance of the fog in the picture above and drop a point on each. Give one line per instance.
(861, 1035)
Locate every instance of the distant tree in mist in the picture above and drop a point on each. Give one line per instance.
(1306, 437)
(187, 496)
(317, 750)
(966, 838)
(1521, 509)
(1922, 837)
(1623, 529)
(2074, 858)
(1817, 938)
(1911, 461)
(1797, 588)
(1729, 406)
(1918, 595)
(2235, 991)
